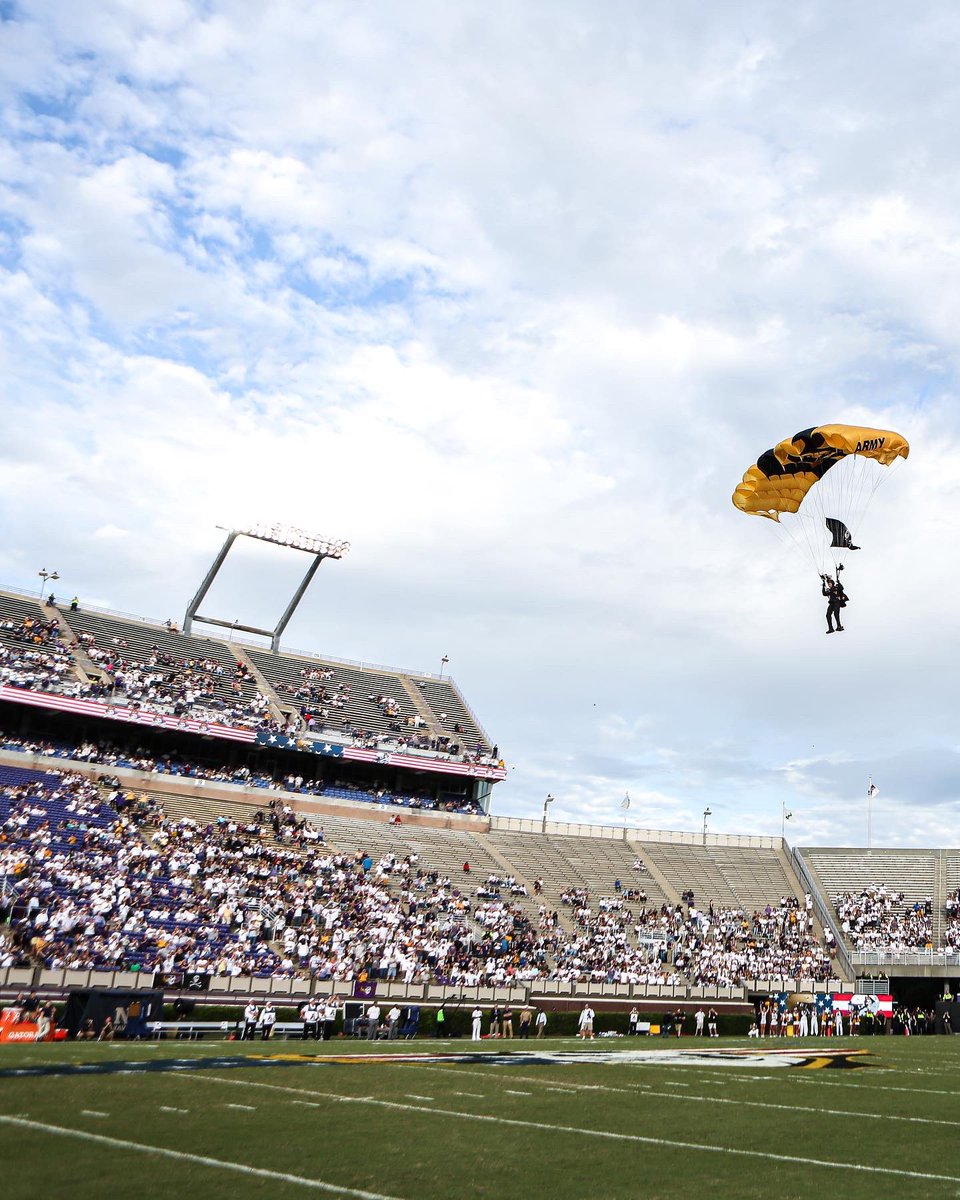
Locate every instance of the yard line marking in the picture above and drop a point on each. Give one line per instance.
(92, 1112)
(306, 1103)
(201, 1159)
(880, 1087)
(637, 1138)
(245, 1107)
(167, 1108)
(472, 1095)
(454, 1071)
(412, 1096)
(507, 1092)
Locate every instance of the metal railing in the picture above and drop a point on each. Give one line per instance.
(620, 833)
(906, 958)
(824, 912)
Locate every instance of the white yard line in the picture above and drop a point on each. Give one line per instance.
(413, 1096)
(92, 1112)
(198, 1159)
(181, 1112)
(866, 1087)
(636, 1138)
(245, 1107)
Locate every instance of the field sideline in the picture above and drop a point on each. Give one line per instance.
(615, 1118)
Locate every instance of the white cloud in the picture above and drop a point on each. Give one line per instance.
(510, 298)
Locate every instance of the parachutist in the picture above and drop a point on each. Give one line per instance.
(836, 599)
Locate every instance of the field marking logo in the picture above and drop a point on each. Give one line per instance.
(810, 1060)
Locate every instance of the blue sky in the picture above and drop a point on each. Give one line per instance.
(509, 297)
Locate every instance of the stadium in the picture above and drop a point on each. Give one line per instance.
(210, 845)
(584, 826)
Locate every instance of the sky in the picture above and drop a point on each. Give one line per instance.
(509, 297)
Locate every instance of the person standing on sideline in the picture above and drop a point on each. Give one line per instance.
(541, 1023)
(699, 1017)
(393, 1023)
(329, 1019)
(250, 1015)
(477, 1017)
(526, 1016)
(585, 1023)
(441, 1022)
(712, 1022)
(634, 1018)
(268, 1018)
(373, 1021)
(507, 1023)
(495, 1021)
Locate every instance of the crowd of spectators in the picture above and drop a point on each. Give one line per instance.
(879, 918)
(33, 656)
(951, 933)
(107, 754)
(198, 687)
(111, 882)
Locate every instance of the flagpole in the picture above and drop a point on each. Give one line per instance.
(869, 812)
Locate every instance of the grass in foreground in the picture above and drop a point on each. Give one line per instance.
(428, 1131)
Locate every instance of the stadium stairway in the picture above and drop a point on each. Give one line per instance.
(263, 686)
(654, 873)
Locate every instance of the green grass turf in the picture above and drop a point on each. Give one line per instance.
(390, 1129)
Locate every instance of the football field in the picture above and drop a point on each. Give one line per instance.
(430, 1120)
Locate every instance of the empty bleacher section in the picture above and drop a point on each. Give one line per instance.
(450, 710)
(725, 876)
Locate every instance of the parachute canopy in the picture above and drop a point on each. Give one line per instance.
(781, 478)
(816, 486)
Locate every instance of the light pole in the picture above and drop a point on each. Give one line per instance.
(785, 816)
(47, 577)
(706, 813)
(443, 663)
(546, 805)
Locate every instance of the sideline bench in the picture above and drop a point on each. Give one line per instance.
(195, 1030)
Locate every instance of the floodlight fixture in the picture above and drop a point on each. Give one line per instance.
(47, 577)
(290, 537)
(294, 538)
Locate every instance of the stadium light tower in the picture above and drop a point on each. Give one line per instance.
(706, 813)
(47, 577)
(546, 805)
(288, 536)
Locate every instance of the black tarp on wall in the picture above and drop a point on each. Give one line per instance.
(129, 1010)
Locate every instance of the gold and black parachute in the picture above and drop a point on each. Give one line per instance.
(816, 485)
